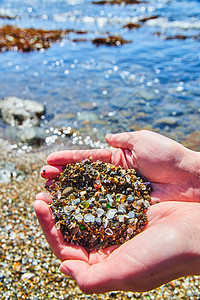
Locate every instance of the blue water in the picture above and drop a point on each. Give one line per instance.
(150, 83)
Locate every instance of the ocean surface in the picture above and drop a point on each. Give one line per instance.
(152, 82)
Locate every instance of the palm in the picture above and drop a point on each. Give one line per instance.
(146, 257)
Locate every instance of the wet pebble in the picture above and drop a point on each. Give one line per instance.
(89, 218)
(111, 213)
(101, 200)
(100, 212)
(131, 214)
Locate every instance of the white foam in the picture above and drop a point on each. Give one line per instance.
(164, 23)
(100, 21)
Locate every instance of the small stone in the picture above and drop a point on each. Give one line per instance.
(67, 191)
(82, 193)
(111, 213)
(58, 225)
(108, 231)
(109, 197)
(27, 276)
(68, 209)
(130, 199)
(108, 205)
(77, 201)
(120, 218)
(89, 218)
(100, 212)
(105, 223)
(131, 214)
(129, 231)
(121, 209)
(78, 217)
(98, 220)
(102, 200)
(85, 204)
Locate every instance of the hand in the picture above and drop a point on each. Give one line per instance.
(173, 170)
(169, 248)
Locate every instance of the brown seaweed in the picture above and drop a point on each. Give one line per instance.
(30, 39)
(113, 2)
(110, 41)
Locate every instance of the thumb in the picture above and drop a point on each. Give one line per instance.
(123, 140)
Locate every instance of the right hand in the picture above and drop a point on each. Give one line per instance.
(172, 169)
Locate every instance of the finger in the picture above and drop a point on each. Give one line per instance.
(62, 158)
(44, 197)
(55, 237)
(48, 183)
(123, 140)
(50, 172)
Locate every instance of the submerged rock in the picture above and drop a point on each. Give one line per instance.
(33, 136)
(177, 36)
(9, 172)
(132, 26)
(166, 121)
(110, 41)
(21, 113)
(141, 20)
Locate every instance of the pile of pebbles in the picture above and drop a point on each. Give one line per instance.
(97, 205)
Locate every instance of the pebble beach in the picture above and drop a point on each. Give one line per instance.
(72, 71)
(29, 269)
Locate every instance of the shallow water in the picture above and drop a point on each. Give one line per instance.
(150, 83)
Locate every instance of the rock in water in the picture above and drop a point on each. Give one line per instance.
(21, 113)
(109, 204)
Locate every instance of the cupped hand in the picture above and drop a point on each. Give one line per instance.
(173, 170)
(167, 249)
(55, 237)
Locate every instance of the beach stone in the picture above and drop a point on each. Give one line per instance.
(9, 172)
(21, 113)
(33, 136)
(88, 116)
(27, 276)
(166, 121)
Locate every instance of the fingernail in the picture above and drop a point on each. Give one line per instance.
(43, 196)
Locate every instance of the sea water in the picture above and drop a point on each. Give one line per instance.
(152, 82)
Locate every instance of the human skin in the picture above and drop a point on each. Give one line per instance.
(172, 169)
(168, 248)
